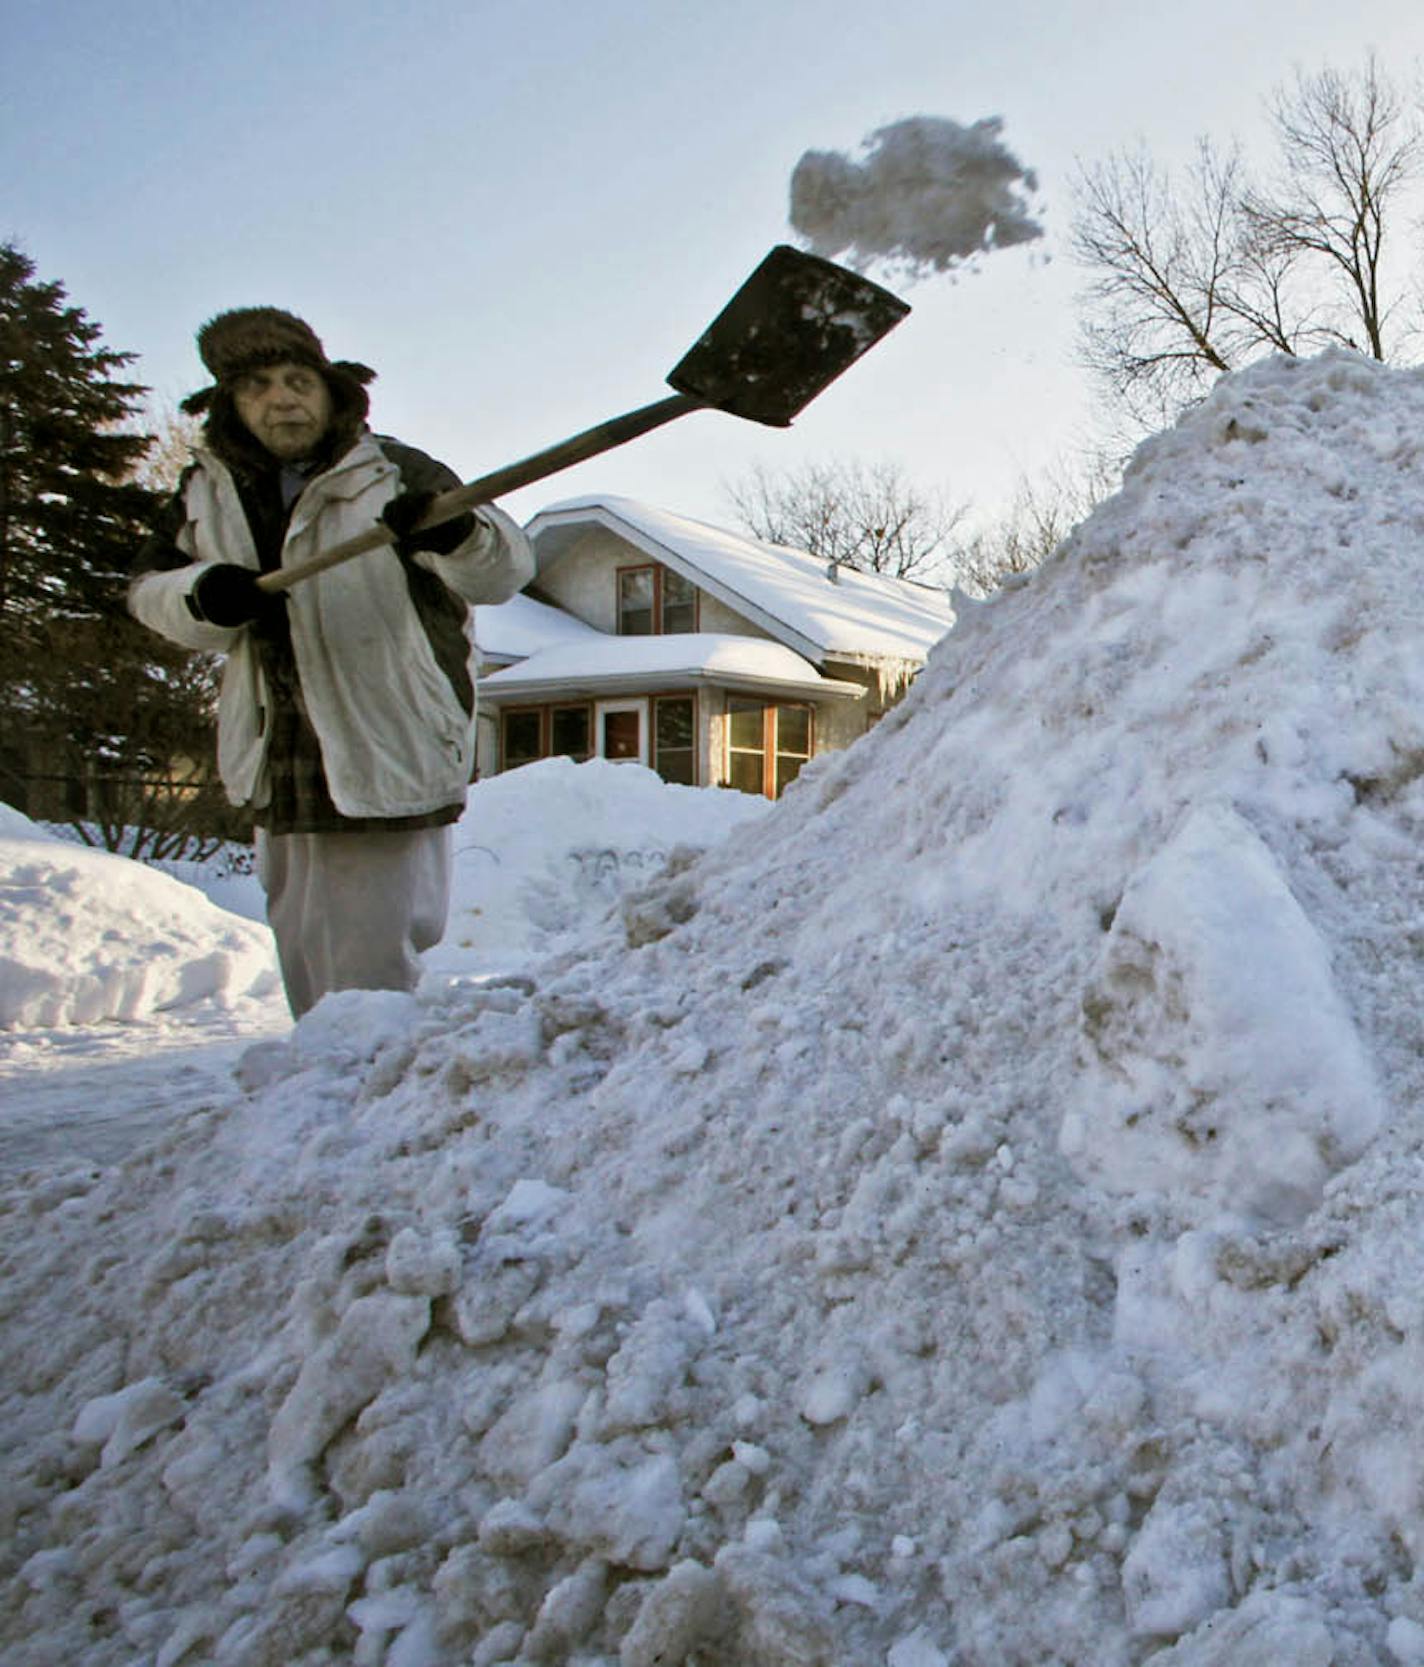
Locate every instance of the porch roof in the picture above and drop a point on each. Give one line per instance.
(509, 631)
(601, 665)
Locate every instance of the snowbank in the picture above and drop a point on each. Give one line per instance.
(543, 853)
(87, 936)
(541, 857)
(14, 824)
(227, 878)
(973, 1216)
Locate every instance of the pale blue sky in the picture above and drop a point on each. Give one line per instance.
(522, 212)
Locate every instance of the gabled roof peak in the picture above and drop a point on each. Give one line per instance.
(862, 616)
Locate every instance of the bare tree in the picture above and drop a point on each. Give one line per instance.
(1349, 148)
(865, 516)
(1044, 510)
(1195, 274)
(1160, 255)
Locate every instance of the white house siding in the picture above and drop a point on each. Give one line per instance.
(713, 615)
(884, 686)
(583, 583)
(486, 743)
(839, 722)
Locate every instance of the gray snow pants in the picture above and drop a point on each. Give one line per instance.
(353, 911)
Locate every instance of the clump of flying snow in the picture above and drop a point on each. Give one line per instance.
(973, 1215)
(926, 195)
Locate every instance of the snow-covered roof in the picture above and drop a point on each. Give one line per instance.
(864, 618)
(604, 664)
(513, 630)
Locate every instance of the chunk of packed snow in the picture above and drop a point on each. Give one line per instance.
(1222, 1058)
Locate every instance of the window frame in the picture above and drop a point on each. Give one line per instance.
(769, 751)
(508, 712)
(660, 604)
(624, 573)
(545, 712)
(661, 610)
(655, 702)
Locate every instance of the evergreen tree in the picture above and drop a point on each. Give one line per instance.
(88, 695)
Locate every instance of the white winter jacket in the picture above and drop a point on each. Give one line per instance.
(395, 739)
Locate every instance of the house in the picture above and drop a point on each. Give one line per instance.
(715, 658)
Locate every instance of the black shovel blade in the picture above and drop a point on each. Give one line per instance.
(788, 332)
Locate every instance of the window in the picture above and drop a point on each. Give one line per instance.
(522, 738)
(792, 744)
(655, 601)
(532, 732)
(746, 746)
(569, 732)
(766, 746)
(675, 739)
(635, 601)
(677, 603)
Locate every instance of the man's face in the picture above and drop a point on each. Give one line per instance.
(286, 406)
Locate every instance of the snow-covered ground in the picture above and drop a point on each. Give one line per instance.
(972, 1216)
(127, 994)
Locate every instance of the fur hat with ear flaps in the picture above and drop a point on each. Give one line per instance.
(250, 338)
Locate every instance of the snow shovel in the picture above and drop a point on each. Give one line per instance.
(789, 331)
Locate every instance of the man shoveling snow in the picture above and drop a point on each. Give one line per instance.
(346, 719)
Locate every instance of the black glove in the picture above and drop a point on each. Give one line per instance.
(227, 594)
(407, 509)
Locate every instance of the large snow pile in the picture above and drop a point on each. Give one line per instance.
(975, 1217)
(87, 936)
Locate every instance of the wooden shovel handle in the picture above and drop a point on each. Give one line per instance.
(578, 449)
